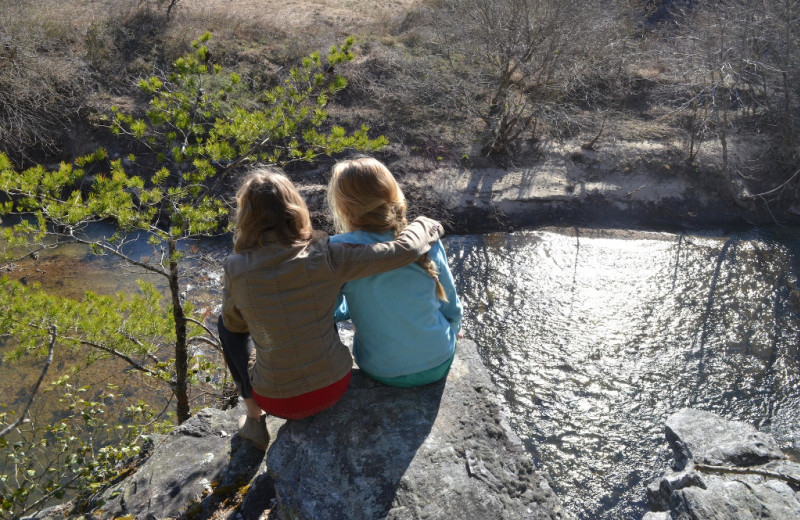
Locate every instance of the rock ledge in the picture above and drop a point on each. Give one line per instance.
(440, 451)
(443, 451)
(723, 470)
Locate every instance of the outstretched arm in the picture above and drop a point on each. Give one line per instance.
(352, 261)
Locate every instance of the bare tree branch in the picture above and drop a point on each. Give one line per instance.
(147, 267)
(202, 325)
(770, 192)
(47, 496)
(748, 471)
(207, 341)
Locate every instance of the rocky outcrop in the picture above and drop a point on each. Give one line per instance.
(723, 470)
(443, 451)
(440, 451)
(202, 461)
(188, 474)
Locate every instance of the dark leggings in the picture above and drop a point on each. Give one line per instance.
(237, 348)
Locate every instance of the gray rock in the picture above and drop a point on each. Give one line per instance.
(709, 439)
(442, 451)
(694, 493)
(57, 512)
(659, 493)
(657, 516)
(200, 456)
(736, 499)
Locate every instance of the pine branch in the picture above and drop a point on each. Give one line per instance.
(35, 390)
(33, 254)
(139, 344)
(115, 353)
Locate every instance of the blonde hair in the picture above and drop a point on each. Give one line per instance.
(363, 194)
(267, 203)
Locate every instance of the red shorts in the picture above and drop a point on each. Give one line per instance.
(304, 405)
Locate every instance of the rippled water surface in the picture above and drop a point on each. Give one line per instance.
(595, 338)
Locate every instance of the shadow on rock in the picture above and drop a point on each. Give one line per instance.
(438, 451)
(364, 444)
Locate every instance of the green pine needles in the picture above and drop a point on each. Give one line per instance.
(202, 125)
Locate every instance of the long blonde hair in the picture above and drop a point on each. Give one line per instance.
(363, 194)
(267, 203)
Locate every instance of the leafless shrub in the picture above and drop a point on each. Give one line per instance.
(41, 85)
(733, 70)
(524, 67)
(127, 45)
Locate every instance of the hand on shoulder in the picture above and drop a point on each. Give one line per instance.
(434, 226)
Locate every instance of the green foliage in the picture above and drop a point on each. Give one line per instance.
(133, 327)
(84, 450)
(197, 136)
(193, 127)
(197, 130)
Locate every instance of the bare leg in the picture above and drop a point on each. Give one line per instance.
(253, 410)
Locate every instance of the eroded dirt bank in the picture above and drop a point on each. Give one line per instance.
(624, 185)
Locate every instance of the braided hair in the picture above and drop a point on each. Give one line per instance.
(363, 194)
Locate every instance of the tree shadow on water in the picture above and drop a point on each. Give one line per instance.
(701, 338)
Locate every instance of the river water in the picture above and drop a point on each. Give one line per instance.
(595, 337)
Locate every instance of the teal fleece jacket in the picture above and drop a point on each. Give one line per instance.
(401, 327)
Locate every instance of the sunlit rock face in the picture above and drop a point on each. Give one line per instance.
(440, 451)
(706, 438)
(723, 470)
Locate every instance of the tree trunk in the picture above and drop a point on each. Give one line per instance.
(181, 388)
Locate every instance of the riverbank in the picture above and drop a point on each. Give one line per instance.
(621, 184)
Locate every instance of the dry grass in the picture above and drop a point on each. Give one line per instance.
(101, 47)
(339, 16)
(61, 57)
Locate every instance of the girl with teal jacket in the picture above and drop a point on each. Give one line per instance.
(406, 320)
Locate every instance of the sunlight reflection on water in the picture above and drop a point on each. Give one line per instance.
(595, 338)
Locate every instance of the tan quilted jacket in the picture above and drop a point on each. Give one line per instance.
(285, 298)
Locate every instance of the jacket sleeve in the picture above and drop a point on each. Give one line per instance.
(352, 261)
(231, 316)
(452, 308)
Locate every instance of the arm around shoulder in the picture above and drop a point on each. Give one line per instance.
(352, 261)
